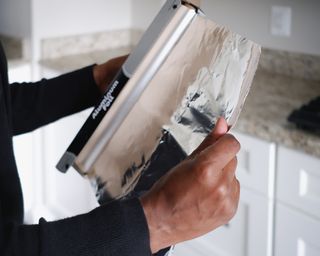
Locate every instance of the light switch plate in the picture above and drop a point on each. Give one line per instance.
(281, 19)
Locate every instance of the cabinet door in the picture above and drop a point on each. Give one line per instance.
(248, 234)
(19, 72)
(298, 181)
(256, 164)
(296, 234)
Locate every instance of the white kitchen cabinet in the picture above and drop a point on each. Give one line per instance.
(19, 71)
(256, 164)
(296, 234)
(298, 180)
(297, 222)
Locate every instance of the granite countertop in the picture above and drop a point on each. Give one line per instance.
(73, 62)
(271, 100)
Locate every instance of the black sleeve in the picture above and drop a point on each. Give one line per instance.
(37, 104)
(116, 229)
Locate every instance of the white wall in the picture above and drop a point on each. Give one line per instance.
(73, 17)
(15, 18)
(252, 19)
(59, 18)
(143, 12)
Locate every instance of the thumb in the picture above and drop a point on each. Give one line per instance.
(220, 129)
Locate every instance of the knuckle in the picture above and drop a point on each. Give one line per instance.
(234, 143)
(204, 172)
(222, 191)
(236, 189)
(235, 161)
(238, 184)
(232, 166)
(226, 211)
(202, 158)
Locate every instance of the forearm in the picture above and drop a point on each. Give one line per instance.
(37, 104)
(116, 229)
(43, 102)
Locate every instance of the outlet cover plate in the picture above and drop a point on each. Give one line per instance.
(281, 19)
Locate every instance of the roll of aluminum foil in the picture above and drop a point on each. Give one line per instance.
(186, 72)
(207, 75)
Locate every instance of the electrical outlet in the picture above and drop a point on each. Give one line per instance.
(281, 18)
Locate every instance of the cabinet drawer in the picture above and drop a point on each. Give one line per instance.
(296, 233)
(256, 164)
(298, 180)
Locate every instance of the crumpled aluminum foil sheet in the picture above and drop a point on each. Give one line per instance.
(207, 75)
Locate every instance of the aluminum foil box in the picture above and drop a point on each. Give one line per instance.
(185, 73)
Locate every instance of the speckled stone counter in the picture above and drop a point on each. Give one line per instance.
(271, 100)
(73, 62)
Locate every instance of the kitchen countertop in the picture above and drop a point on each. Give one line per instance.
(272, 98)
(73, 62)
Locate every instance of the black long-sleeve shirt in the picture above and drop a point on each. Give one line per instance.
(118, 228)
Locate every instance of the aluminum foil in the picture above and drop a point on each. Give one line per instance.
(207, 75)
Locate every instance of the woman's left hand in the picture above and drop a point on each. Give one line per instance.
(104, 73)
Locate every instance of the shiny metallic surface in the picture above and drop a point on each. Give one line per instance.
(208, 74)
(196, 72)
(134, 88)
(167, 12)
(219, 90)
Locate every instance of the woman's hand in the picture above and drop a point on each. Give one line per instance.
(198, 195)
(104, 73)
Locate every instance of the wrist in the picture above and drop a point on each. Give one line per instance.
(159, 231)
(98, 77)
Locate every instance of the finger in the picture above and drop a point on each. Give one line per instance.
(229, 170)
(120, 60)
(220, 129)
(236, 190)
(235, 195)
(220, 154)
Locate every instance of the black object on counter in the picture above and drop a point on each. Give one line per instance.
(308, 116)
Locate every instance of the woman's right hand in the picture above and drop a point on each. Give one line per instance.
(198, 195)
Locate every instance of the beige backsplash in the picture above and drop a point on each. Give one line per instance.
(54, 48)
(279, 62)
(295, 65)
(13, 47)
